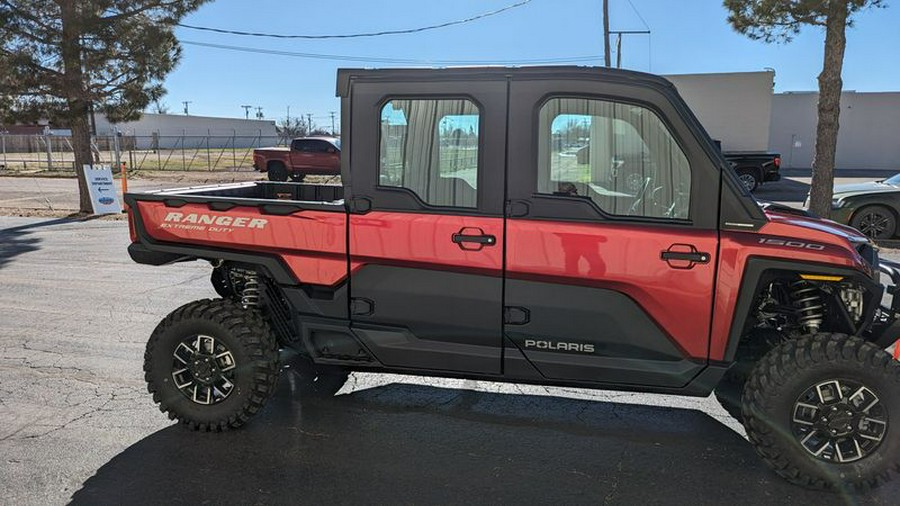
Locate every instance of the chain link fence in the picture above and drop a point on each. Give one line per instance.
(154, 152)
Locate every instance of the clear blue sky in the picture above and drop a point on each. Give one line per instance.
(688, 36)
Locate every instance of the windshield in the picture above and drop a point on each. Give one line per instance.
(893, 180)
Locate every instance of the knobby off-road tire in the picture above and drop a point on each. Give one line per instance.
(810, 371)
(245, 356)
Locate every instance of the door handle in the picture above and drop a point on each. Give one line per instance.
(486, 240)
(473, 239)
(684, 256)
(697, 257)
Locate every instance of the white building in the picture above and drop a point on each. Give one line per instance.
(177, 131)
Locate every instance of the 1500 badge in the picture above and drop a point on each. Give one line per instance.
(791, 244)
(559, 346)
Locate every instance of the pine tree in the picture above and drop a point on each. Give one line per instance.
(781, 20)
(60, 58)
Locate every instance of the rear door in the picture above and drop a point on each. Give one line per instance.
(611, 233)
(426, 223)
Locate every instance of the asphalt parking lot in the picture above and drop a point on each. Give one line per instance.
(76, 423)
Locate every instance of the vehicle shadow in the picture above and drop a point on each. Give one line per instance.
(405, 443)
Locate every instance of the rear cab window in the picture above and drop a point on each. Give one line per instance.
(431, 148)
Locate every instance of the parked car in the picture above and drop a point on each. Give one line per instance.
(470, 245)
(872, 207)
(305, 156)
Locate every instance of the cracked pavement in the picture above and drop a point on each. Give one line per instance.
(76, 422)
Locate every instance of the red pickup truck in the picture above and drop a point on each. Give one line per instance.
(306, 155)
(469, 239)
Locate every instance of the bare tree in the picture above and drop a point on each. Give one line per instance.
(780, 21)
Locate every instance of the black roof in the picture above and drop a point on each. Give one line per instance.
(345, 76)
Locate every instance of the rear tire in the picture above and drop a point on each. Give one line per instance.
(277, 172)
(240, 371)
(749, 177)
(823, 412)
(876, 222)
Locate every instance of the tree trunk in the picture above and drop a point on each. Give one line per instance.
(76, 96)
(81, 146)
(829, 110)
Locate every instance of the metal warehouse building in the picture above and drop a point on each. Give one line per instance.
(869, 137)
(172, 131)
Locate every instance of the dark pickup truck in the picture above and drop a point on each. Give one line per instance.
(754, 168)
(470, 239)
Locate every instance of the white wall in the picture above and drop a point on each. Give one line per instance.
(869, 135)
(735, 108)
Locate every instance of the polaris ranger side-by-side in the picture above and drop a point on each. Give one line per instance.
(547, 225)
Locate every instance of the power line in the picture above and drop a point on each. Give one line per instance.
(379, 59)
(367, 34)
(639, 15)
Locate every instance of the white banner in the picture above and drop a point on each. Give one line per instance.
(104, 197)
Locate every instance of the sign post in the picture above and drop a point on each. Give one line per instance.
(104, 198)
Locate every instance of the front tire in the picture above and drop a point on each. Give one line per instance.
(876, 222)
(824, 412)
(211, 364)
(277, 172)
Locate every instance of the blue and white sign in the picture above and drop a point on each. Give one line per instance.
(102, 188)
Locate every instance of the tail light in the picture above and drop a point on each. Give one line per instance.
(777, 162)
(132, 231)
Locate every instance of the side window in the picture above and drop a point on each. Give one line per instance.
(431, 148)
(621, 156)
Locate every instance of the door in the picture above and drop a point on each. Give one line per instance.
(611, 234)
(426, 223)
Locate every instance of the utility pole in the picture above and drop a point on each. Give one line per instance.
(247, 111)
(186, 103)
(289, 115)
(259, 114)
(332, 122)
(309, 123)
(607, 57)
(619, 34)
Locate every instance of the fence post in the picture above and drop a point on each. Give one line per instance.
(49, 151)
(158, 155)
(118, 155)
(182, 150)
(233, 149)
(208, 158)
(3, 141)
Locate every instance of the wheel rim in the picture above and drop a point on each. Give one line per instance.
(839, 421)
(203, 369)
(748, 180)
(873, 224)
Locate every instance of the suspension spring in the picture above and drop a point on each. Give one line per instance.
(250, 293)
(810, 307)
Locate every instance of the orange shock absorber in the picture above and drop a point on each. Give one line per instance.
(897, 349)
